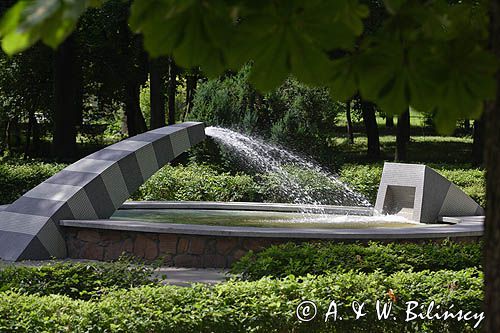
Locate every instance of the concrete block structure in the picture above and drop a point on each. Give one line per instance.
(421, 194)
(92, 188)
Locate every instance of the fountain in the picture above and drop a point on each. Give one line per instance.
(80, 212)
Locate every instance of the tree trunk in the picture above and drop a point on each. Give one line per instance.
(389, 121)
(66, 100)
(478, 142)
(492, 222)
(172, 88)
(135, 120)
(29, 131)
(157, 93)
(350, 130)
(191, 83)
(402, 137)
(368, 111)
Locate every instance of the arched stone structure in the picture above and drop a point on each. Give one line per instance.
(91, 188)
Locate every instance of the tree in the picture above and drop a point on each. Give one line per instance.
(191, 85)
(172, 88)
(402, 136)
(431, 55)
(370, 120)
(350, 129)
(67, 99)
(478, 142)
(157, 92)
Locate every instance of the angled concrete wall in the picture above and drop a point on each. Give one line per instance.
(92, 188)
(421, 194)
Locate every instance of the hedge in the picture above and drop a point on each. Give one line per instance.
(266, 305)
(18, 178)
(197, 182)
(204, 182)
(82, 280)
(320, 258)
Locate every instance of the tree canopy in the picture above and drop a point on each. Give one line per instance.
(430, 55)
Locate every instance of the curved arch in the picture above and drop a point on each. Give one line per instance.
(91, 188)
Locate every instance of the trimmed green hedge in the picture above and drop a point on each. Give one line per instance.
(319, 258)
(204, 182)
(83, 280)
(18, 178)
(366, 178)
(197, 182)
(261, 306)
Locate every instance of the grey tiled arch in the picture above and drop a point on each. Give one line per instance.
(91, 188)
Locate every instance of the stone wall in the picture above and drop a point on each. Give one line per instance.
(173, 249)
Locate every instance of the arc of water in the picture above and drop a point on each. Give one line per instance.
(269, 158)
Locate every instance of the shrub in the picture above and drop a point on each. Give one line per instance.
(320, 258)
(294, 114)
(303, 117)
(197, 182)
(18, 178)
(260, 306)
(229, 101)
(76, 280)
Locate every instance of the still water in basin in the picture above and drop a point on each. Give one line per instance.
(239, 218)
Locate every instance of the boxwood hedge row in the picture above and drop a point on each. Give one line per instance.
(266, 305)
(319, 258)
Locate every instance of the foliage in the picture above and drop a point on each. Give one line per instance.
(262, 306)
(84, 280)
(293, 114)
(17, 178)
(302, 117)
(229, 101)
(428, 55)
(279, 261)
(197, 182)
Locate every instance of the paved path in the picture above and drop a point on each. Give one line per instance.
(175, 276)
(188, 276)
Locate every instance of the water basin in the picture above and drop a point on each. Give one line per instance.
(263, 219)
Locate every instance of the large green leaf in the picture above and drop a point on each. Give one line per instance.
(49, 20)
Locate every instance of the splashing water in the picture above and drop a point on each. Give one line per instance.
(273, 159)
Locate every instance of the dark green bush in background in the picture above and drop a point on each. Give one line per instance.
(321, 258)
(294, 115)
(18, 178)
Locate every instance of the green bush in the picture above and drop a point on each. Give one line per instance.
(18, 178)
(197, 182)
(229, 101)
(77, 280)
(294, 114)
(319, 258)
(366, 178)
(260, 306)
